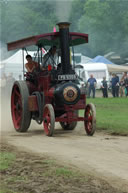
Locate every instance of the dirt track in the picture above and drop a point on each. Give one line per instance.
(102, 155)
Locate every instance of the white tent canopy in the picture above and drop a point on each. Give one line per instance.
(112, 68)
(14, 64)
(117, 68)
(17, 58)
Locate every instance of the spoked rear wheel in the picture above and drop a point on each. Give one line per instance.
(21, 115)
(49, 119)
(90, 122)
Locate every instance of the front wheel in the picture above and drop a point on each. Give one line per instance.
(90, 116)
(49, 119)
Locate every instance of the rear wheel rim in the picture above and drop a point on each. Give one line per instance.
(16, 107)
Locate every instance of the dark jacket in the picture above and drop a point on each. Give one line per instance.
(104, 84)
(115, 81)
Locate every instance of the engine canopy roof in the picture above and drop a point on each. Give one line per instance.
(48, 39)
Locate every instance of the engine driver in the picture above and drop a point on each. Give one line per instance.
(30, 65)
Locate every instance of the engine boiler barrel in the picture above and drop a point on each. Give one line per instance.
(67, 93)
(64, 44)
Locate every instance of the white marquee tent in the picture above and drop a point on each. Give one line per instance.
(14, 64)
(113, 68)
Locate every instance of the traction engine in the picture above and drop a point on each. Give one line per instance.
(49, 96)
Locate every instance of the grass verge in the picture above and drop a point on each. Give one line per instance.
(111, 114)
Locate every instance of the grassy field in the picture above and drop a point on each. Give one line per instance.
(111, 114)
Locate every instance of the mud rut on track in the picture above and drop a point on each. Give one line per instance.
(102, 155)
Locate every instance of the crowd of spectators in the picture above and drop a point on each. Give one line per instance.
(117, 87)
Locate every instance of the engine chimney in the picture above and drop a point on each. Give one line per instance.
(64, 45)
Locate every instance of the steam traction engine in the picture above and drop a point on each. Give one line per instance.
(51, 95)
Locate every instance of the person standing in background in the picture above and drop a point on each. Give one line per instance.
(124, 76)
(115, 85)
(104, 87)
(91, 84)
(126, 84)
(123, 89)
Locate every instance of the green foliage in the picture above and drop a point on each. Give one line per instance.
(5, 190)
(76, 13)
(26, 18)
(65, 172)
(106, 22)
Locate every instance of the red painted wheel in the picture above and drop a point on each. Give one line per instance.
(21, 116)
(49, 119)
(90, 122)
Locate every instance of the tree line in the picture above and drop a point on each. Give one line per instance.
(105, 21)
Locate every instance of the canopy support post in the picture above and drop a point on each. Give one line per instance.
(23, 62)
